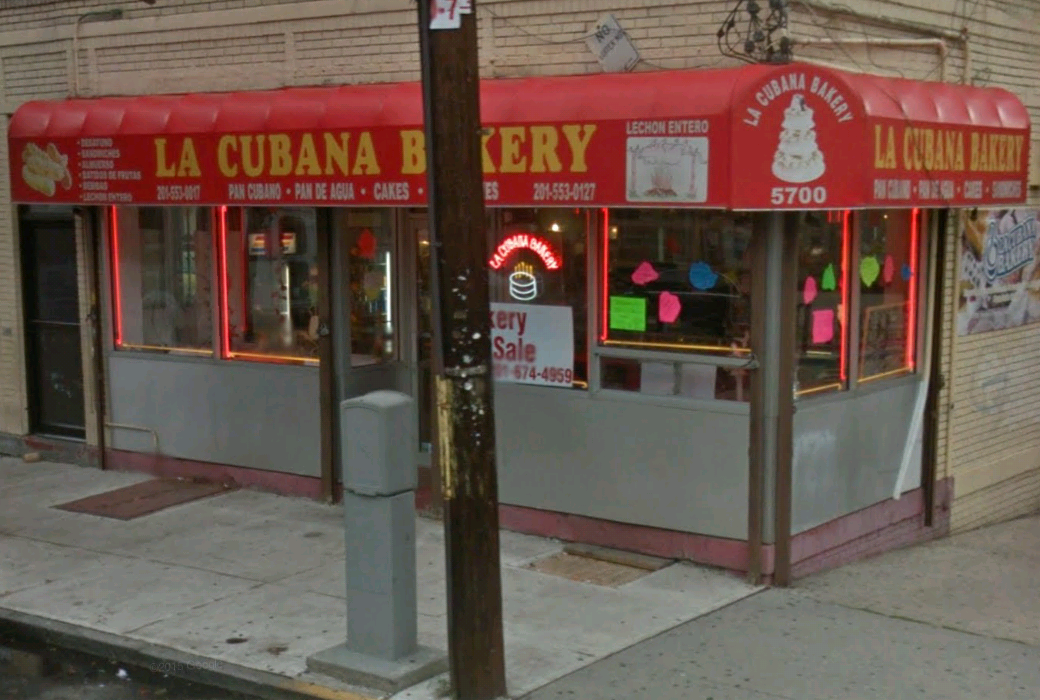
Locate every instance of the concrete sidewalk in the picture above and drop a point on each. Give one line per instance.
(239, 589)
(955, 619)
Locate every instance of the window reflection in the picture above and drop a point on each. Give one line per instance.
(821, 345)
(371, 267)
(272, 284)
(888, 279)
(539, 259)
(678, 280)
(162, 279)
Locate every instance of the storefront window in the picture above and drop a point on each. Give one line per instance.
(270, 285)
(161, 276)
(888, 273)
(538, 277)
(676, 281)
(821, 337)
(370, 257)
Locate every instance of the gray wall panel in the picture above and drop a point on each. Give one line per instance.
(847, 452)
(239, 413)
(626, 461)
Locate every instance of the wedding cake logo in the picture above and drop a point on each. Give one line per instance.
(798, 158)
(667, 169)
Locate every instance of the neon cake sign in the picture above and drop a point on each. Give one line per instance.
(523, 285)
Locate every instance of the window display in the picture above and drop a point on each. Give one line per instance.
(822, 335)
(270, 284)
(677, 280)
(161, 277)
(888, 275)
(370, 258)
(538, 277)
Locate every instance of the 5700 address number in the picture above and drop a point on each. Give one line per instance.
(798, 195)
(533, 373)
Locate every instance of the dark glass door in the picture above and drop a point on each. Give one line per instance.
(54, 358)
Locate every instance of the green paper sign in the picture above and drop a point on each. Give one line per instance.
(628, 314)
(869, 269)
(829, 283)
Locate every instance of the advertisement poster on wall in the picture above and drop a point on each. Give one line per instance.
(533, 344)
(1000, 270)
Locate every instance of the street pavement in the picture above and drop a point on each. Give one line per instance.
(243, 587)
(955, 619)
(39, 672)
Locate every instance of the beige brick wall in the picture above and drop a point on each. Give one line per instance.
(12, 344)
(1010, 498)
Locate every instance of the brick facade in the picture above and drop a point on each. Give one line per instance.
(195, 45)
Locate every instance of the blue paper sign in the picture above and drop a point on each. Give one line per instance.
(702, 276)
(906, 272)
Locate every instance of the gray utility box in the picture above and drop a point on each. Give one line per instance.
(379, 436)
(379, 479)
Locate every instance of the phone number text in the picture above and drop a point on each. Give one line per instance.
(178, 193)
(564, 191)
(533, 373)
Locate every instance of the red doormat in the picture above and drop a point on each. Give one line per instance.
(146, 497)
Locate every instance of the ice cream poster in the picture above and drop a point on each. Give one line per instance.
(667, 169)
(999, 282)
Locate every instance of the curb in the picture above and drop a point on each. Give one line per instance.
(172, 662)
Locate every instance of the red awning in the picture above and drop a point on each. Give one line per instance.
(756, 137)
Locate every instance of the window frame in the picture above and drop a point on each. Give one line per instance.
(496, 226)
(923, 223)
(850, 302)
(919, 310)
(225, 352)
(113, 298)
(601, 348)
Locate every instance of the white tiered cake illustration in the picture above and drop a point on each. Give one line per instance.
(798, 159)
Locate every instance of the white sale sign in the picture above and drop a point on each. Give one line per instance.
(533, 344)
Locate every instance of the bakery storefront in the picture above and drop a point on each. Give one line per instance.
(713, 291)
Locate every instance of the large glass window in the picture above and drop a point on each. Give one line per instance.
(822, 334)
(270, 285)
(162, 280)
(369, 234)
(538, 277)
(677, 281)
(888, 274)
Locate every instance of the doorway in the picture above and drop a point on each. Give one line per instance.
(54, 353)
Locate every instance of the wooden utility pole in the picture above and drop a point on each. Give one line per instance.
(463, 372)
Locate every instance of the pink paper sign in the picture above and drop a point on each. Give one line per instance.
(668, 307)
(809, 291)
(822, 326)
(644, 274)
(889, 270)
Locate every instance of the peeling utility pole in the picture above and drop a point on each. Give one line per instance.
(462, 348)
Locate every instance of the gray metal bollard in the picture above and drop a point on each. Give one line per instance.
(379, 480)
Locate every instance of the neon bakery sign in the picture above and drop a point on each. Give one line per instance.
(525, 241)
